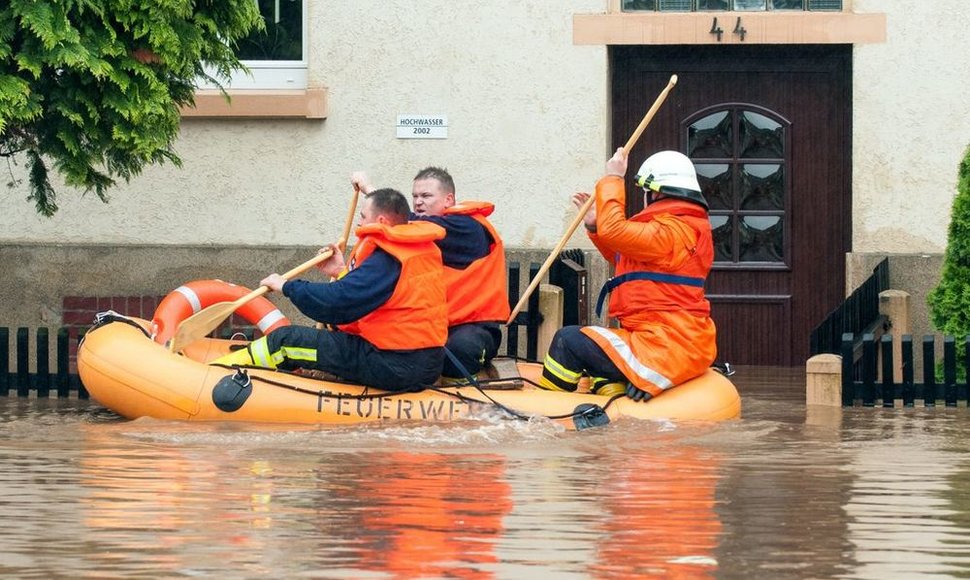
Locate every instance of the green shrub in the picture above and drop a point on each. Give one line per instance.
(949, 302)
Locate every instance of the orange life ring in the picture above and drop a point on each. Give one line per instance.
(192, 297)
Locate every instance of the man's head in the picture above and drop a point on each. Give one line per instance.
(669, 174)
(433, 191)
(384, 206)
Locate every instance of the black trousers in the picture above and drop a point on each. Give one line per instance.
(474, 345)
(577, 352)
(352, 358)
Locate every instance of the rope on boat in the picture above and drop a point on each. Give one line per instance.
(479, 386)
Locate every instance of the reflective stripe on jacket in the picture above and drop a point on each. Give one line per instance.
(415, 316)
(478, 293)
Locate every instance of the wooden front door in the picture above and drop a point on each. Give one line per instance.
(769, 130)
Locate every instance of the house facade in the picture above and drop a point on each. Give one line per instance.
(827, 135)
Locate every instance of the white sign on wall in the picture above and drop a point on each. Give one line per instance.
(422, 126)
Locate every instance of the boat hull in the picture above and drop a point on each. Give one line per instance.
(124, 370)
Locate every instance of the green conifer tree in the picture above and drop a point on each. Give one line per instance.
(950, 301)
(94, 87)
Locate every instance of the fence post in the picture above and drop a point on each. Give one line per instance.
(894, 305)
(908, 389)
(929, 371)
(823, 380)
(551, 301)
(43, 380)
(23, 361)
(4, 360)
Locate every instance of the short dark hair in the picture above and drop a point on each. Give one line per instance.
(391, 204)
(439, 173)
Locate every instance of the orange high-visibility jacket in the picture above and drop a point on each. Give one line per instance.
(662, 256)
(415, 316)
(479, 293)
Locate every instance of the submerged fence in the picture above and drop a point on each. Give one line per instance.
(873, 381)
(61, 380)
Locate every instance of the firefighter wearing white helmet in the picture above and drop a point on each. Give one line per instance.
(672, 174)
(662, 257)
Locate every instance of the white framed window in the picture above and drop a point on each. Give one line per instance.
(276, 56)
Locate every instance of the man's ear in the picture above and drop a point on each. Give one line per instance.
(450, 199)
(382, 220)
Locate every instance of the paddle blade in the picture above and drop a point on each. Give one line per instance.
(201, 324)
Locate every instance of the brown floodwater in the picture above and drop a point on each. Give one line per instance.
(784, 492)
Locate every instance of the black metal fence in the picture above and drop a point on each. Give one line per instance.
(62, 380)
(43, 380)
(943, 382)
(858, 314)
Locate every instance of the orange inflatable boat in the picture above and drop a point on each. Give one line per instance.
(129, 373)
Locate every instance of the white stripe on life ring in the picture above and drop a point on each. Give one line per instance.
(269, 320)
(191, 296)
(623, 349)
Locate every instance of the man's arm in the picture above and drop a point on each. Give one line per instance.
(358, 293)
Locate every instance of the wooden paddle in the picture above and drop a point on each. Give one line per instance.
(208, 319)
(345, 236)
(589, 203)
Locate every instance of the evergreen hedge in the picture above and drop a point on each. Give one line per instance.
(949, 302)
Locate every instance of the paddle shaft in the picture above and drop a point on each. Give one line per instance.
(589, 202)
(208, 319)
(345, 236)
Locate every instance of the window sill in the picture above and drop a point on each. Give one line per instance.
(760, 28)
(267, 104)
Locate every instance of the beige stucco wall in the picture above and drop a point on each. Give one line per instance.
(527, 114)
(911, 125)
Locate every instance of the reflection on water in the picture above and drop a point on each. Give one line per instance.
(785, 492)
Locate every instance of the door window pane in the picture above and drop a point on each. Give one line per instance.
(723, 233)
(761, 239)
(762, 187)
(760, 136)
(710, 137)
(715, 181)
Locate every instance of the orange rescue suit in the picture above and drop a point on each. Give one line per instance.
(666, 334)
(415, 316)
(479, 292)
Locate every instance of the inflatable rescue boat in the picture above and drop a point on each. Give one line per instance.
(125, 366)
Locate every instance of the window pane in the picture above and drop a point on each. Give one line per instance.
(749, 4)
(675, 5)
(722, 230)
(710, 137)
(761, 239)
(762, 187)
(631, 5)
(760, 137)
(283, 37)
(825, 4)
(715, 181)
(712, 4)
(787, 4)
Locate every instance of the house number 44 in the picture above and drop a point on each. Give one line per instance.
(738, 29)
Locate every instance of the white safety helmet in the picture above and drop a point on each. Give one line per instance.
(672, 174)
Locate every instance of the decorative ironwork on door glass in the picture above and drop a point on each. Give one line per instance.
(741, 154)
